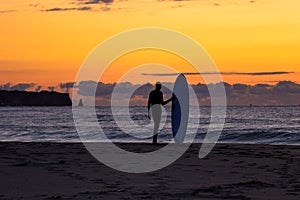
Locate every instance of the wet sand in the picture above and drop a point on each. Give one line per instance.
(230, 171)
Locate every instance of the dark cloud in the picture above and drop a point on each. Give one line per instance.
(85, 88)
(283, 93)
(104, 89)
(58, 9)
(67, 86)
(263, 73)
(240, 88)
(201, 90)
(5, 86)
(86, 8)
(17, 87)
(222, 73)
(95, 1)
(22, 86)
(261, 89)
(288, 87)
(143, 90)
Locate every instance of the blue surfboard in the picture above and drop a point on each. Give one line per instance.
(180, 109)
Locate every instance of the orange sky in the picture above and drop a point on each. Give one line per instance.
(48, 47)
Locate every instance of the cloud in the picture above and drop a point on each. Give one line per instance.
(223, 73)
(283, 93)
(51, 88)
(85, 88)
(5, 86)
(95, 1)
(67, 86)
(22, 86)
(38, 88)
(84, 5)
(104, 89)
(145, 89)
(7, 11)
(17, 87)
(262, 73)
(35, 5)
(287, 87)
(58, 9)
(86, 8)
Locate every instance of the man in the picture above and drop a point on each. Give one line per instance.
(154, 102)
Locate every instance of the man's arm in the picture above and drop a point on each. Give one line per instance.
(166, 102)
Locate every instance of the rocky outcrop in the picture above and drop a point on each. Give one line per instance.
(43, 98)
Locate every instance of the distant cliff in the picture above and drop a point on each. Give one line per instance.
(43, 98)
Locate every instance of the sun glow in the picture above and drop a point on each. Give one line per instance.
(46, 42)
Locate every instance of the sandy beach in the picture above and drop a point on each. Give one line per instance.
(230, 171)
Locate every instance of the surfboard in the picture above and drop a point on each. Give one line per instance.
(180, 109)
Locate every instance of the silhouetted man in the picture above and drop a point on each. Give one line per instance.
(154, 102)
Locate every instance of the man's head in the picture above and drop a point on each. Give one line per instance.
(158, 85)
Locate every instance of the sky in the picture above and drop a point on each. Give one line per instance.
(45, 42)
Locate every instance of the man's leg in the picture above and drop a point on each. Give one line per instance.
(156, 115)
(155, 131)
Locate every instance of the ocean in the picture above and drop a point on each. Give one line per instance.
(259, 125)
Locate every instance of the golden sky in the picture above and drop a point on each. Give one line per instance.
(45, 42)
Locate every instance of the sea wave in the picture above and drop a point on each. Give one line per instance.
(258, 125)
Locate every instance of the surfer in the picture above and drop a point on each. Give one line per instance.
(155, 101)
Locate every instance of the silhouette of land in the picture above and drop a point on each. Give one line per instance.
(43, 98)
